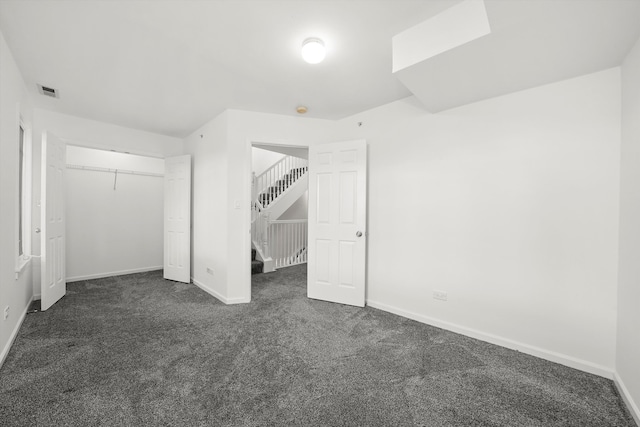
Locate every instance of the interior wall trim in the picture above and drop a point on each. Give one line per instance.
(14, 334)
(113, 273)
(626, 397)
(551, 356)
(219, 296)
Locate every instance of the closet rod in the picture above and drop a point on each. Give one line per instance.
(99, 169)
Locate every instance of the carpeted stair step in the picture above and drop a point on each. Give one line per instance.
(256, 264)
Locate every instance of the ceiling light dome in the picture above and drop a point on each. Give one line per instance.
(313, 50)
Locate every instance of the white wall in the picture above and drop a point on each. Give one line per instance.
(299, 209)
(113, 231)
(509, 205)
(263, 159)
(106, 136)
(15, 292)
(208, 147)
(628, 342)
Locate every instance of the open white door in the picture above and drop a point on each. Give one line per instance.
(337, 222)
(53, 285)
(177, 218)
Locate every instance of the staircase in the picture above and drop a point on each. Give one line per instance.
(270, 194)
(278, 243)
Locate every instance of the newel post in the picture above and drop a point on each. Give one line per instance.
(254, 190)
(265, 235)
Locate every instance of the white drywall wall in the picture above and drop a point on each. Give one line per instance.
(15, 292)
(209, 186)
(628, 342)
(112, 230)
(106, 136)
(262, 160)
(509, 205)
(299, 209)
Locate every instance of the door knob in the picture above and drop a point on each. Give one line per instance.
(37, 229)
(358, 233)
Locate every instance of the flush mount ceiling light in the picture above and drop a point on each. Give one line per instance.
(313, 50)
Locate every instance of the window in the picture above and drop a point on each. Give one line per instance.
(23, 211)
(21, 180)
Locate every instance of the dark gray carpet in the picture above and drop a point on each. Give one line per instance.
(138, 350)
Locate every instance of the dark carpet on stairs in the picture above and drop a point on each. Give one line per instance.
(138, 350)
(256, 265)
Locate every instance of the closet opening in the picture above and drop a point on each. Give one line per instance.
(114, 205)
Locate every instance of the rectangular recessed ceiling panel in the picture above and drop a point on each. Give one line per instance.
(447, 30)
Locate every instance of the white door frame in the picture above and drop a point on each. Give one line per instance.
(247, 196)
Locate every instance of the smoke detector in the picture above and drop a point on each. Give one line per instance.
(48, 91)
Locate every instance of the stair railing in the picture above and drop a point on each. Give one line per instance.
(259, 233)
(277, 178)
(288, 242)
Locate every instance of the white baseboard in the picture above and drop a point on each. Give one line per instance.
(14, 334)
(232, 301)
(552, 356)
(628, 400)
(225, 300)
(113, 273)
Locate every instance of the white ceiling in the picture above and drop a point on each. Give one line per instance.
(170, 66)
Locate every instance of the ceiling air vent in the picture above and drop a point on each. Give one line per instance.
(47, 91)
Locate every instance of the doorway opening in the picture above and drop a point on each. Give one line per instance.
(279, 206)
(336, 232)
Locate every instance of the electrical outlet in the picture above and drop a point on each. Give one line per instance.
(6, 312)
(440, 295)
(210, 271)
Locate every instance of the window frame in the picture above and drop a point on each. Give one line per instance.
(23, 196)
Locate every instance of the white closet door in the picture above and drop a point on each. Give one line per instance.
(53, 285)
(177, 218)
